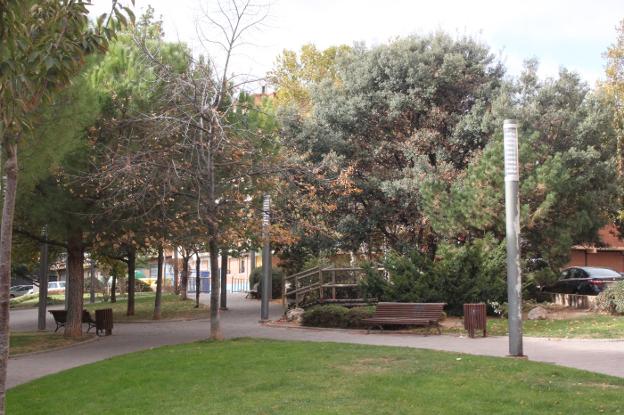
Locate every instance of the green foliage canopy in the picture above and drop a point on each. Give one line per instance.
(397, 113)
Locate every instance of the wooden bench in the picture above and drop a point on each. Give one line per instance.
(60, 318)
(406, 314)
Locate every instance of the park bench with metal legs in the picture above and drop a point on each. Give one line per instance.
(86, 318)
(406, 314)
(253, 293)
(60, 318)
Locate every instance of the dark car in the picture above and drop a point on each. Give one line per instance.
(584, 280)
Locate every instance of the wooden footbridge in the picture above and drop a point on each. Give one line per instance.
(326, 285)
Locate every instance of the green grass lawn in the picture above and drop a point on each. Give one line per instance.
(596, 326)
(27, 342)
(270, 377)
(592, 326)
(32, 300)
(172, 307)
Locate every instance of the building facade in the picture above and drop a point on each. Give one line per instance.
(609, 254)
(238, 271)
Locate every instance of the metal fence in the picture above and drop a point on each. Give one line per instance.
(235, 285)
(204, 285)
(238, 285)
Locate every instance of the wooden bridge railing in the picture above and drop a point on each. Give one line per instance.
(319, 285)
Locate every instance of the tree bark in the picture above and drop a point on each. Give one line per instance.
(113, 295)
(432, 245)
(224, 261)
(6, 239)
(159, 280)
(197, 278)
(215, 324)
(184, 275)
(43, 285)
(74, 291)
(131, 280)
(92, 282)
(176, 279)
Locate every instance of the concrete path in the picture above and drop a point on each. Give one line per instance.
(603, 356)
(26, 319)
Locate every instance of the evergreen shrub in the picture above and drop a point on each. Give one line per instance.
(612, 299)
(336, 316)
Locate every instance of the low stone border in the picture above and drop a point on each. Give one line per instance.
(274, 324)
(164, 320)
(54, 349)
(582, 302)
(576, 339)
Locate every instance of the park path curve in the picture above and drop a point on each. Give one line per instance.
(603, 356)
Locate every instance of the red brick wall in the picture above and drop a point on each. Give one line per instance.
(606, 259)
(603, 259)
(577, 258)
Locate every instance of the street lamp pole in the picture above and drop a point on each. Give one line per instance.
(512, 213)
(266, 259)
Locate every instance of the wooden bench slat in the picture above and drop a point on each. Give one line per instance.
(417, 314)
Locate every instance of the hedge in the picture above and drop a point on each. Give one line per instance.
(337, 316)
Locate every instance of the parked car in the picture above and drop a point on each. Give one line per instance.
(56, 287)
(584, 280)
(19, 290)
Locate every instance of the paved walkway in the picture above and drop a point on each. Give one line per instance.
(603, 356)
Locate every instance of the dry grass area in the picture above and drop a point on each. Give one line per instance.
(28, 342)
(562, 322)
(172, 307)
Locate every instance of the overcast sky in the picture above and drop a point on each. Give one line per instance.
(572, 34)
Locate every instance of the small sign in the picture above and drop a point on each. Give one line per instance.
(510, 145)
(266, 209)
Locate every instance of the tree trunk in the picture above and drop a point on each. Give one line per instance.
(74, 290)
(184, 275)
(197, 278)
(122, 282)
(432, 245)
(92, 282)
(113, 295)
(176, 279)
(215, 326)
(43, 285)
(224, 261)
(6, 237)
(131, 280)
(159, 281)
(252, 262)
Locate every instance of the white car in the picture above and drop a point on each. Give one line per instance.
(55, 287)
(19, 290)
